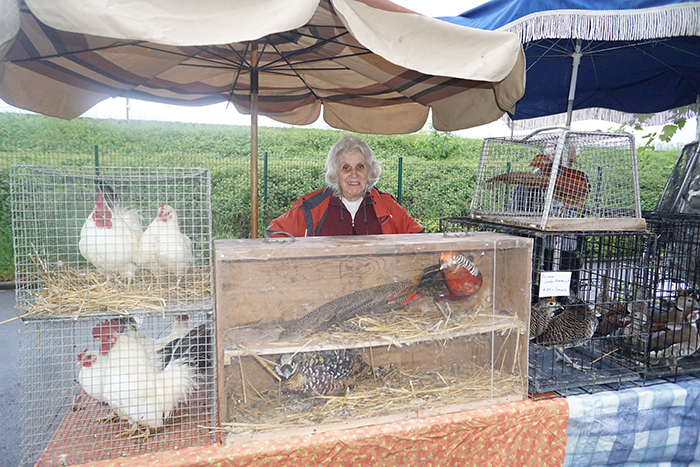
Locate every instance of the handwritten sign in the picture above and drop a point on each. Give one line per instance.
(555, 284)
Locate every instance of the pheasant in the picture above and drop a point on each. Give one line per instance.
(571, 187)
(572, 327)
(454, 278)
(541, 313)
(326, 373)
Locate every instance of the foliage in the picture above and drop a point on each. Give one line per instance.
(678, 118)
(439, 169)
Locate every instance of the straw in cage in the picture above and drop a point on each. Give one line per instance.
(72, 292)
(387, 392)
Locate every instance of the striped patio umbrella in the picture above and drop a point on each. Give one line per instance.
(373, 67)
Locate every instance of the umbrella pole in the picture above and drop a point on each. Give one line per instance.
(254, 141)
(572, 86)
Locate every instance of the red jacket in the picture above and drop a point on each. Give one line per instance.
(308, 214)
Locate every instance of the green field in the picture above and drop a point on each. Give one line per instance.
(438, 169)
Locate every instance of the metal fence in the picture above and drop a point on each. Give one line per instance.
(428, 189)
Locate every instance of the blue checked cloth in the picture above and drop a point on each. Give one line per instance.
(657, 425)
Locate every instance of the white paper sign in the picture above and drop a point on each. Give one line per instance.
(555, 284)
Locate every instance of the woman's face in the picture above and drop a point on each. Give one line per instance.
(352, 175)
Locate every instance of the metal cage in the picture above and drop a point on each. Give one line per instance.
(607, 280)
(559, 180)
(114, 282)
(61, 424)
(65, 268)
(675, 285)
(682, 190)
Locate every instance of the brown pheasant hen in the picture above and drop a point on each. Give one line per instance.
(571, 187)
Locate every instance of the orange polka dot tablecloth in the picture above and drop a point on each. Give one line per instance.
(515, 434)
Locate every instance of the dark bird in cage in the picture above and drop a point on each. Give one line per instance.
(326, 373)
(454, 278)
(573, 327)
(372, 300)
(571, 187)
(165, 250)
(143, 391)
(541, 313)
(110, 238)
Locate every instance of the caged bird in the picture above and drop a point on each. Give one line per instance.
(678, 339)
(165, 250)
(454, 278)
(573, 327)
(110, 237)
(147, 387)
(571, 187)
(324, 373)
(541, 313)
(90, 375)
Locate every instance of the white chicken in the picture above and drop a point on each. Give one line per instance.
(166, 251)
(90, 376)
(181, 326)
(110, 237)
(132, 382)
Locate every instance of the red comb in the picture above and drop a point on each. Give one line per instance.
(107, 328)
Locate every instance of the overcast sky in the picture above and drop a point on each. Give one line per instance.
(221, 114)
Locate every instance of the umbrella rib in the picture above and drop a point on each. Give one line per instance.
(285, 57)
(76, 52)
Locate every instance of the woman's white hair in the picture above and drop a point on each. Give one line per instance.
(349, 145)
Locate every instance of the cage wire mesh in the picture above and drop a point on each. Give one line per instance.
(675, 289)
(72, 392)
(597, 335)
(554, 177)
(91, 239)
(682, 190)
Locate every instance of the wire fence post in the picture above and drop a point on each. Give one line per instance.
(265, 183)
(398, 188)
(97, 160)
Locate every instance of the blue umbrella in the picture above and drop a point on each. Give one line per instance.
(627, 57)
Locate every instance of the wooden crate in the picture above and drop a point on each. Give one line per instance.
(263, 285)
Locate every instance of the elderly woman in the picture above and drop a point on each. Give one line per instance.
(350, 204)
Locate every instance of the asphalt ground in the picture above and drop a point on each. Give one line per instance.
(9, 381)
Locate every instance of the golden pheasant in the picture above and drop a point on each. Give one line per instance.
(571, 187)
(454, 278)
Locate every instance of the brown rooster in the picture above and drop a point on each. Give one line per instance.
(571, 187)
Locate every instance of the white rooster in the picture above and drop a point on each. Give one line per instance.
(111, 235)
(164, 249)
(132, 382)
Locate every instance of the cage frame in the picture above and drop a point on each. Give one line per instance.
(621, 369)
(546, 221)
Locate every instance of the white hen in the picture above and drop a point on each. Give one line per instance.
(164, 249)
(132, 383)
(90, 376)
(110, 238)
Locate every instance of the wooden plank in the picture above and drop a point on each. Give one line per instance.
(596, 225)
(555, 224)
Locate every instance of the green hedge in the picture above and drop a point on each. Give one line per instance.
(439, 169)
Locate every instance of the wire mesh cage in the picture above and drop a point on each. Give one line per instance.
(91, 239)
(682, 190)
(674, 284)
(147, 385)
(559, 180)
(589, 320)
